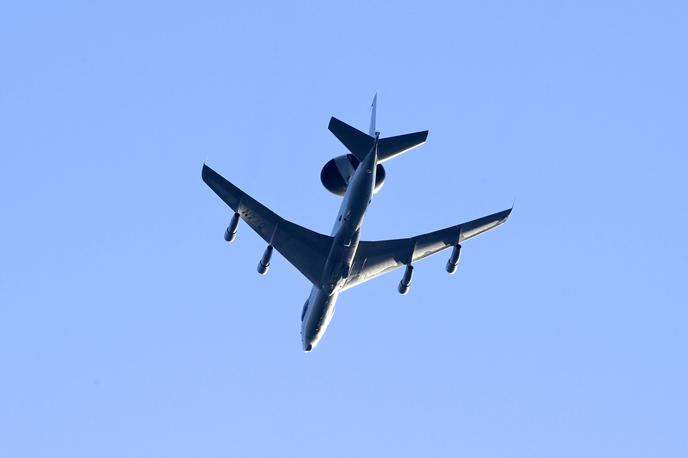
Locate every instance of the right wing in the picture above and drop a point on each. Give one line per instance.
(304, 249)
(376, 258)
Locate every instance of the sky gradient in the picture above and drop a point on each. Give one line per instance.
(128, 327)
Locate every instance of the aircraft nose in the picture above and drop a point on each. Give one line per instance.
(308, 344)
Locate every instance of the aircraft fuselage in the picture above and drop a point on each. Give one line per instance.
(320, 306)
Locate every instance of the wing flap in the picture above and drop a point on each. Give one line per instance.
(304, 249)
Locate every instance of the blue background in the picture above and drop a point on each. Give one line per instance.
(129, 328)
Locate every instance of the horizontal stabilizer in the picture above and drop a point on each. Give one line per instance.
(390, 147)
(359, 143)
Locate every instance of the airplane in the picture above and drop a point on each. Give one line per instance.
(341, 261)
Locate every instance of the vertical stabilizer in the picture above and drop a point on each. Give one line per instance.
(372, 132)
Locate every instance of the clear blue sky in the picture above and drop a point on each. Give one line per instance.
(129, 328)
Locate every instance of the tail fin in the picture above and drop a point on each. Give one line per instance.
(372, 132)
(360, 143)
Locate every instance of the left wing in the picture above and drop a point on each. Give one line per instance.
(376, 258)
(304, 249)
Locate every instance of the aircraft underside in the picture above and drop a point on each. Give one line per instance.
(341, 261)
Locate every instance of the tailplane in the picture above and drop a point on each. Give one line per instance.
(360, 143)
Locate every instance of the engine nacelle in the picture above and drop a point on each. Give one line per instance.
(405, 282)
(264, 263)
(453, 262)
(230, 233)
(335, 175)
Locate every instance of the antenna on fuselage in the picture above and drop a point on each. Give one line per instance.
(372, 132)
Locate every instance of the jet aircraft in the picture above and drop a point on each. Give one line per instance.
(341, 260)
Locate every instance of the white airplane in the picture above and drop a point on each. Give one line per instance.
(340, 261)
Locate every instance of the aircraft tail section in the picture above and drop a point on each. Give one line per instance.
(390, 147)
(359, 143)
(373, 111)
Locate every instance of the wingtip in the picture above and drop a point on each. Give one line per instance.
(508, 212)
(206, 172)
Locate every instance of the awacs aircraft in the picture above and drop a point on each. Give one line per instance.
(340, 261)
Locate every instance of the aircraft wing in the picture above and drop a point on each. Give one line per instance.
(304, 249)
(376, 258)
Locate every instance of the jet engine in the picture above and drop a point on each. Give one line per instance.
(230, 233)
(264, 263)
(335, 175)
(453, 262)
(405, 282)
